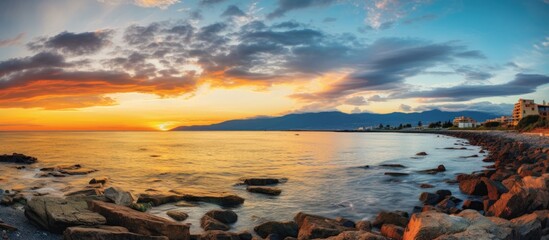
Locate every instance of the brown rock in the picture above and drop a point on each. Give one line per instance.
(105, 233)
(312, 226)
(473, 186)
(17, 158)
(208, 223)
(138, 222)
(282, 229)
(265, 190)
(192, 195)
(392, 231)
(224, 216)
(261, 181)
(103, 180)
(177, 215)
(421, 154)
(219, 235)
(120, 196)
(364, 225)
(396, 218)
(527, 226)
(354, 235)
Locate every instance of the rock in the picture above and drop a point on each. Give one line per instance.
(396, 218)
(354, 235)
(522, 198)
(102, 180)
(527, 226)
(105, 233)
(396, 174)
(192, 195)
(393, 165)
(312, 226)
(446, 204)
(245, 235)
(282, 229)
(480, 227)
(473, 186)
(138, 222)
(56, 214)
(17, 158)
(86, 192)
(6, 200)
(440, 168)
(219, 235)
(421, 154)
(364, 225)
(224, 216)
(429, 198)
(261, 181)
(426, 185)
(345, 222)
(63, 170)
(7, 227)
(443, 193)
(265, 190)
(186, 204)
(392, 231)
(119, 196)
(494, 188)
(471, 156)
(177, 215)
(471, 204)
(430, 225)
(208, 223)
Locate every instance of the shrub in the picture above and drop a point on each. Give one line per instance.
(527, 121)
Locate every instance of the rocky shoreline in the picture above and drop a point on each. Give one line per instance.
(509, 199)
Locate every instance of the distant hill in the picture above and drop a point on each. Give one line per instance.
(335, 121)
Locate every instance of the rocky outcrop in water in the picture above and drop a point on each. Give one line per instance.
(17, 158)
(105, 233)
(221, 199)
(265, 190)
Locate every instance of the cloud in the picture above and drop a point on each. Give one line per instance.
(473, 74)
(74, 43)
(162, 4)
(485, 106)
(356, 101)
(405, 108)
(40, 60)
(233, 10)
(210, 2)
(285, 6)
(522, 84)
(379, 12)
(12, 41)
(288, 24)
(377, 98)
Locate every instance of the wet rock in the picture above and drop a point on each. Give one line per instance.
(56, 214)
(443, 193)
(120, 196)
(138, 222)
(105, 233)
(219, 235)
(398, 218)
(527, 226)
(440, 168)
(429, 198)
(102, 180)
(177, 215)
(17, 158)
(224, 216)
(261, 181)
(392, 231)
(473, 186)
(282, 229)
(265, 190)
(471, 156)
(393, 165)
(245, 235)
(396, 174)
(192, 195)
(86, 192)
(364, 225)
(313, 226)
(7, 227)
(208, 223)
(472, 204)
(426, 185)
(480, 227)
(273, 237)
(354, 235)
(421, 154)
(446, 204)
(186, 204)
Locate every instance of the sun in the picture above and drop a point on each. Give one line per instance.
(166, 126)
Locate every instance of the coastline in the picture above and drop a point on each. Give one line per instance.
(507, 151)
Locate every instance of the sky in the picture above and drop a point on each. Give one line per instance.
(158, 64)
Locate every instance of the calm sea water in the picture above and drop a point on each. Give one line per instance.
(323, 168)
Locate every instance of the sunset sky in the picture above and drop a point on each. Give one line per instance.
(157, 64)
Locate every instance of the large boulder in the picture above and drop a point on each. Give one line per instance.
(473, 186)
(120, 196)
(282, 229)
(313, 226)
(526, 196)
(192, 195)
(392, 231)
(220, 235)
(105, 233)
(56, 214)
(527, 226)
(138, 222)
(209, 223)
(360, 235)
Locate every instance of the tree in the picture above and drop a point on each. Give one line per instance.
(527, 121)
(492, 124)
(400, 126)
(380, 126)
(447, 124)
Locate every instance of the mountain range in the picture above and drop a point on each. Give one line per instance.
(336, 121)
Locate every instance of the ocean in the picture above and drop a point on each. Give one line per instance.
(325, 171)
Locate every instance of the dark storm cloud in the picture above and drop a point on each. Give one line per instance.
(40, 60)
(74, 43)
(522, 84)
(289, 5)
(233, 10)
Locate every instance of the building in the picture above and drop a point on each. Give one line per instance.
(527, 107)
(503, 120)
(464, 122)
